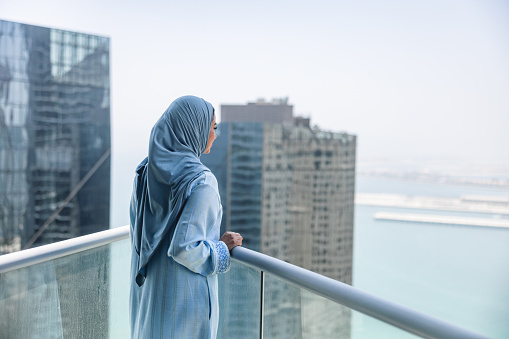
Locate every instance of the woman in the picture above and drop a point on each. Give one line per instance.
(175, 219)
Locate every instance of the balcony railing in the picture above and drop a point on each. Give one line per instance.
(79, 288)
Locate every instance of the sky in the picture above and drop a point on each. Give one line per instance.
(424, 83)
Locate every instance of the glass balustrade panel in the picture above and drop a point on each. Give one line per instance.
(62, 298)
(292, 312)
(240, 302)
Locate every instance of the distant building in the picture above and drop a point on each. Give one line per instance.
(289, 190)
(54, 163)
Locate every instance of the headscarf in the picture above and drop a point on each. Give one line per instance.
(164, 179)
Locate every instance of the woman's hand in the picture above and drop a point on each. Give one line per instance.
(231, 239)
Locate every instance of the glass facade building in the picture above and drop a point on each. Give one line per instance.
(54, 169)
(289, 190)
(54, 132)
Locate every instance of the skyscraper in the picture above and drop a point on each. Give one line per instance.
(54, 134)
(54, 174)
(289, 190)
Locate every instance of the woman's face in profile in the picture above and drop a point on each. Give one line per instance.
(212, 135)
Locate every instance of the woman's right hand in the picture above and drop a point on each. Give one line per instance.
(231, 239)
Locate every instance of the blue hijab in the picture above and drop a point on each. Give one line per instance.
(164, 179)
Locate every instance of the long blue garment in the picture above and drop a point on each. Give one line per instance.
(175, 221)
(179, 296)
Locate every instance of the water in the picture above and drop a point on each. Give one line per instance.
(456, 273)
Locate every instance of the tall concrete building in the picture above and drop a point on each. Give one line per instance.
(289, 190)
(54, 169)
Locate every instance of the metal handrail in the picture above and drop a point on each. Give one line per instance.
(32, 256)
(396, 315)
(384, 310)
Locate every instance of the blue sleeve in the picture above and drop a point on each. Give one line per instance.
(191, 246)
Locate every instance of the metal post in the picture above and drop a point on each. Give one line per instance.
(262, 284)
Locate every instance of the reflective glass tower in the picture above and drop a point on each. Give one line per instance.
(54, 132)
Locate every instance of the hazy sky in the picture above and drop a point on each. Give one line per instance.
(426, 81)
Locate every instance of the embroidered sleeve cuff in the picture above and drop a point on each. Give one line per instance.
(222, 257)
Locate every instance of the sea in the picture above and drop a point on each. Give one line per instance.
(457, 273)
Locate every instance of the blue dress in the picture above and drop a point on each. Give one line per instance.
(179, 296)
